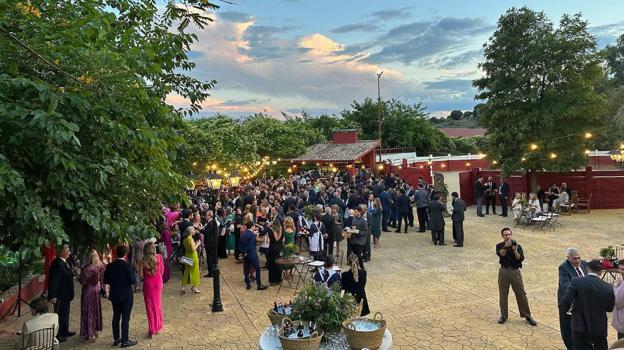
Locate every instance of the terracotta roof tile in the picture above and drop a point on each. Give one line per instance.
(328, 151)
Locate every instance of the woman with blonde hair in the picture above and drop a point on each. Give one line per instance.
(152, 272)
(354, 282)
(90, 299)
(290, 231)
(191, 272)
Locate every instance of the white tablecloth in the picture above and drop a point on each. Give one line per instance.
(270, 341)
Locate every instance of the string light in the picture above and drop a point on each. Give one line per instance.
(588, 135)
(289, 170)
(523, 159)
(553, 156)
(587, 152)
(467, 163)
(380, 166)
(533, 147)
(494, 162)
(194, 163)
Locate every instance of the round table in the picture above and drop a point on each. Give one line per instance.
(270, 341)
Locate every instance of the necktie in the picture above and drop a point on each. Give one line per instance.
(579, 272)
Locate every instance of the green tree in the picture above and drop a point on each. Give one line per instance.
(456, 115)
(276, 138)
(86, 140)
(538, 90)
(614, 57)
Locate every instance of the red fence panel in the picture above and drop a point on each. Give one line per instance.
(466, 187)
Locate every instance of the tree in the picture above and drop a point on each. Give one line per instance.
(86, 140)
(403, 125)
(278, 139)
(538, 92)
(456, 115)
(614, 57)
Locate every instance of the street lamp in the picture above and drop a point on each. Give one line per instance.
(379, 111)
(214, 182)
(235, 178)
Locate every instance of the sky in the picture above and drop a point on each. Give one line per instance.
(318, 56)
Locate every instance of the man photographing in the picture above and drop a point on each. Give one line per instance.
(510, 257)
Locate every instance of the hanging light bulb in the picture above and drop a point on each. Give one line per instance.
(588, 135)
(533, 147)
(553, 156)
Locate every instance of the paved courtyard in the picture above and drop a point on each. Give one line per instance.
(433, 297)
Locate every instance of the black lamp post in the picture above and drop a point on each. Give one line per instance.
(214, 182)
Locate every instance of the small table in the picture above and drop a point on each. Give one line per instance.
(299, 271)
(270, 341)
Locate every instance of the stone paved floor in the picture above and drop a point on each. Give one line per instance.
(433, 297)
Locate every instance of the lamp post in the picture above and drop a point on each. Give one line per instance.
(379, 111)
(214, 182)
(235, 178)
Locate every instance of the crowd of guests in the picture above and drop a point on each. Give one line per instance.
(322, 217)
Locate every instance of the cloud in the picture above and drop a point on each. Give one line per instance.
(355, 27)
(263, 42)
(451, 85)
(465, 58)
(235, 16)
(411, 42)
(390, 14)
(607, 34)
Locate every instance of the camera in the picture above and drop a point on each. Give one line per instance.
(513, 242)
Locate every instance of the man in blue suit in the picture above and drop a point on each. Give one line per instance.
(120, 276)
(572, 268)
(384, 197)
(250, 255)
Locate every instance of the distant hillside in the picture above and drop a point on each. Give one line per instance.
(462, 123)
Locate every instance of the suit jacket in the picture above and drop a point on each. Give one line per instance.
(248, 244)
(489, 188)
(210, 234)
(422, 198)
(61, 284)
(503, 190)
(404, 204)
(479, 190)
(566, 275)
(384, 198)
(459, 207)
(436, 218)
(329, 222)
(120, 276)
(592, 299)
(360, 224)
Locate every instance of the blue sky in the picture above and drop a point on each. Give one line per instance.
(288, 56)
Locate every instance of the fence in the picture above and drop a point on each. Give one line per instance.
(606, 188)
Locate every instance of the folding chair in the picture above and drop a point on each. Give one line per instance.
(42, 339)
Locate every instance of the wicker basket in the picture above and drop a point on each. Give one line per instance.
(311, 343)
(365, 339)
(276, 319)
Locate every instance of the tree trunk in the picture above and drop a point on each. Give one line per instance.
(532, 180)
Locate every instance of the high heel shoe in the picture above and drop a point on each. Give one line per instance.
(195, 291)
(182, 291)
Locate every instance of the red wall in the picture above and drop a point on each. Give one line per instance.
(603, 162)
(410, 175)
(605, 186)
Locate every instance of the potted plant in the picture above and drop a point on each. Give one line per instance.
(308, 209)
(323, 306)
(289, 250)
(608, 255)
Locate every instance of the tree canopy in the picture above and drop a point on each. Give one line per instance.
(86, 138)
(539, 92)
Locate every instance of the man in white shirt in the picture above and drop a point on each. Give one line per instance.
(42, 319)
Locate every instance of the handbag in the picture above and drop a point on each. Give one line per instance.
(186, 261)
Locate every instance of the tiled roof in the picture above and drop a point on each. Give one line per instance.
(328, 151)
(463, 132)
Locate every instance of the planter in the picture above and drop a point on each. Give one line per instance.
(363, 332)
(311, 342)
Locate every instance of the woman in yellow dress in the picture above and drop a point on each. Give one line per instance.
(191, 273)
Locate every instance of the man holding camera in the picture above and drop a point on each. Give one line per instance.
(510, 257)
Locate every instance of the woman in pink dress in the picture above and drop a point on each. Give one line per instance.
(172, 215)
(90, 302)
(152, 273)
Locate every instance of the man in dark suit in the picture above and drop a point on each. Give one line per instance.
(590, 299)
(377, 189)
(490, 195)
(330, 226)
(210, 232)
(503, 194)
(409, 192)
(403, 206)
(250, 255)
(572, 268)
(436, 220)
(421, 197)
(61, 291)
(384, 197)
(479, 191)
(120, 276)
(186, 222)
(459, 207)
